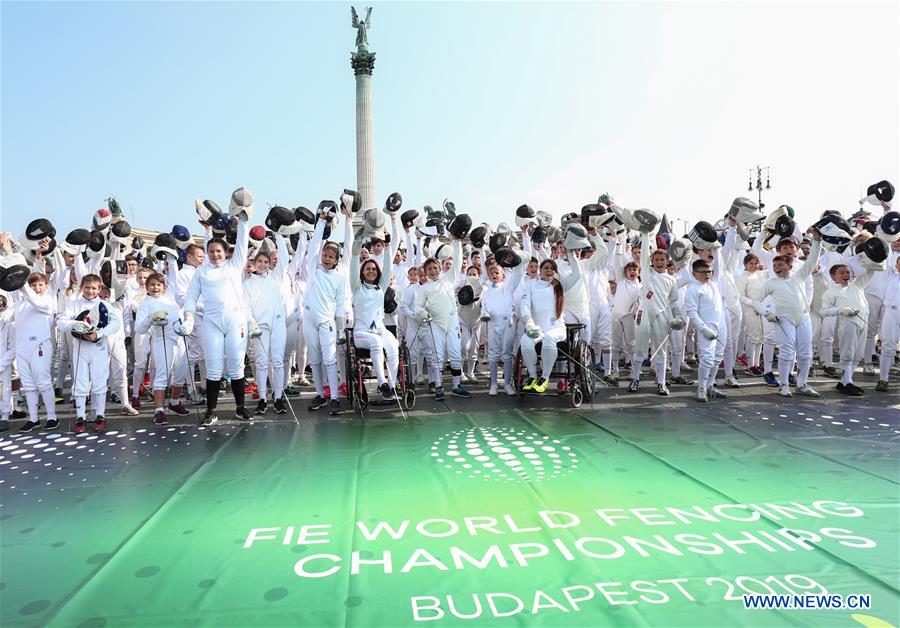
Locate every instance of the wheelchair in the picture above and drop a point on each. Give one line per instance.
(576, 378)
(360, 376)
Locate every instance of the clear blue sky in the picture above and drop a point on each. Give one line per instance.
(666, 105)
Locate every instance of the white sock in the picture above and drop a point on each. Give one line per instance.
(49, 398)
(31, 398)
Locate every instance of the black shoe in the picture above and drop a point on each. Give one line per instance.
(18, 414)
(209, 418)
(859, 392)
(334, 407)
(681, 381)
(280, 406)
(114, 398)
(634, 385)
(241, 414)
(387, 393)
(844, 389)
(29, 425)
(318, 402)
(662, 390)
(431, 387)
(261, 407)
(52, 424)
(792, 380)
(439, 394)
(832, 372)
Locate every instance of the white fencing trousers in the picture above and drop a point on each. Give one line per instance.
(291, 332)
(549, 351)
(470, 339)
(65, 359)
(601, 328)
(321, 351)
(6, 393)
(710, 353)
(268, 351)
(890, 336)
(195, 348)
(224, 345)
(676, 349)
(825, 337)
(733, 323)
(118, 365)
(140, 345)
(585, 334)
(794, 341)
(381, 344)
(622, 340)
(169, 360)
(91, 375)
(34, 360)
(648, 336)
(876, 312)
(443, 345)
(770, 338)
(853, 344)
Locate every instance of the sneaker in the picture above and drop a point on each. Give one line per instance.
(465, 378)
(99, 424)
(612, 380)
(847, 390)
(280, 406)
(743, 360)
(634, 385)
(530, 384)
(179, 409)
(784, 391)
(29, 425)
(342, 389)
(715, 393)
(439, 393)
(881, 386)
(159, 418)
(857, 389)
(4, 425)
(731, 382)
(682, 381)
(510, 390)
(209, 418)
(127, 410)
(792, 380)
(135, 403)
(304, 382)
(249, 389)
(472, 378)
(261, 407)
(334, 407)
(318, 402)
(18, 414)
(459, 391)
(700, 396)
(662, 390)
(241, 414)
(293, 391)
(52, 424)
(114, 398)
(830, 371)
(58, 393)
(687, 367)
(808, 391)
(868, 369)
(756, 371)
(387, 393)
(541, 385)
(431, 387)
(771, 380)
(492, 391)
(80, 426)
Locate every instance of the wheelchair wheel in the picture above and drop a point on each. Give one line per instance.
(360, 394)
(410, 399)
(405, 371)
(577, 398)
(517, 374)
(587, 377)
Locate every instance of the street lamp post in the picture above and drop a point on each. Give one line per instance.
(759, 183)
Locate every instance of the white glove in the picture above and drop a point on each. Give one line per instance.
(708, 333)
(485, 317)
(80, 327)
(848, 311)
(424, 316)
(532, 330)
(179, 328)
(771, 317)
(676, 324)
(187, 325)
(160, 317)
(253, 330)
(339, 325)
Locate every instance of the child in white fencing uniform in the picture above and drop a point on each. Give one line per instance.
(846, 300)
(890, 324)
(706, 311)
(89, 320)
(160, 318)
(497, 310)
(7, 357)
(34, 349)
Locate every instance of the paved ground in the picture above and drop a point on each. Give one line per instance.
(752, 391)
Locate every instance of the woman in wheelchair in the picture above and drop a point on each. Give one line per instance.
(368, 283)
(542, 313)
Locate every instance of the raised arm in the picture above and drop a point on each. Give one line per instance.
(239, 257)
(813, 260)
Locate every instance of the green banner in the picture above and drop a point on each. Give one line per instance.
(503, 518)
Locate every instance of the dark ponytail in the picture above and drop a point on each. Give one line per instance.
(558, 293)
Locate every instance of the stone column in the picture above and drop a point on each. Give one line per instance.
(363, 63)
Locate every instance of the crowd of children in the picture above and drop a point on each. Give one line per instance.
(108, 313)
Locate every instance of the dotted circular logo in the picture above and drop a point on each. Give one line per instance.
(502, 454)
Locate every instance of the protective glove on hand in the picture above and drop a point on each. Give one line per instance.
(676, 324)
(848, 311)
(253, 330)
(187, 325)
(424, 316)
(80, 327)
(180, 329)
(708, 333)
(771, 317)
(159, 317)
